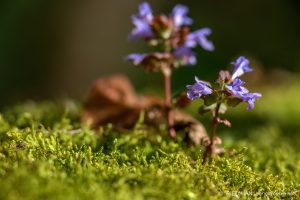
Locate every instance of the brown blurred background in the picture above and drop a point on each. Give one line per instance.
(53, 49)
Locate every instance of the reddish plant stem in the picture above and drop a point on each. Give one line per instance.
(168, 102)
(209, 151)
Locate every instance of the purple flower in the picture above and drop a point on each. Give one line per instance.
(136, 58)
(198, 89)
(145, 12)
(241, 66)
(142, 22)
(185, 55)
(200, 38)
(179, 14)
(142, 29)
(237, 89)
(250, 99)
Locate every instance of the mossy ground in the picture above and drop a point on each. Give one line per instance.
(46, 153)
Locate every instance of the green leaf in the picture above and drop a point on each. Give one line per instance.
(233, 101)
(210, 99)
(204, 109)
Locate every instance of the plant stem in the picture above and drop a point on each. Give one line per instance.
(168, 101)
(209, 151)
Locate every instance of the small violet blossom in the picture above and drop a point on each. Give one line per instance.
(250, 99)
(185, 55)
(179, 15)
(136, 58)
(237, 89)
(200, 38)
(199, 89)
(142, 22)
(193, 39)
(241, 66)
(145, 12)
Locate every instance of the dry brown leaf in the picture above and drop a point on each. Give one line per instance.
(113, 100)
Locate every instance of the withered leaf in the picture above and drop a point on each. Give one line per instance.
(204, 109)
(233, 101)
(113, 100)
(210, 99)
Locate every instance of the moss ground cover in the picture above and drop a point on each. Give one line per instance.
(47, 153)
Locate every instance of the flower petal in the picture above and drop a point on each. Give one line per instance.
(142, 29)
(250, 99)
(185, 55)
(241, 66)
(197, 90)
(237, 89)
(200, 38)
(142, 22)
(179, 14)
(145, 12)
(136, 58)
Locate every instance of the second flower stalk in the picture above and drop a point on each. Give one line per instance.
(228, 90)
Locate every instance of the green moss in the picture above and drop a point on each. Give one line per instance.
(46, 153)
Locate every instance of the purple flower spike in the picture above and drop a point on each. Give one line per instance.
(136, 58)
(241, 66)
(142, 22)
(198, 89)
(185, 55)
(179, 14)
(200, 38)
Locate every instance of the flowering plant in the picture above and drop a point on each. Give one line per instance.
(174, 41)
(228, 90)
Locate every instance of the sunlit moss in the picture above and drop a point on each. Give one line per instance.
(46, 153)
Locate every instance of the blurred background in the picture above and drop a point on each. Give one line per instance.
(51, 49)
